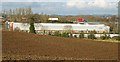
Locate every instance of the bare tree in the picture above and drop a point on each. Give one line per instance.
(23, 11)
(13, 12)
(10, 12)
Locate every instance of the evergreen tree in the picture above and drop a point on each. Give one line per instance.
(32, 28)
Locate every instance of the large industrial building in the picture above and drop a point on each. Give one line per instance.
(85, 27)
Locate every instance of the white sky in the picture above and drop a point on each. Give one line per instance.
(53, 0)
(74, 6)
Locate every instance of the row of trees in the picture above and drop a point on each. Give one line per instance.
(18, 11)
(28, 11)
(23, 14)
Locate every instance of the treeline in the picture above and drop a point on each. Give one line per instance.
(24, 14)
(17, 11)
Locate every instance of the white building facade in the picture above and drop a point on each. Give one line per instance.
(62, 27)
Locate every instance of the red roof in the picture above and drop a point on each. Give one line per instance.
(80, 19)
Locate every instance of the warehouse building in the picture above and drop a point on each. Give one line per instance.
(85, 27)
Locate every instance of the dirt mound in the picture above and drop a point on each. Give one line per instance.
(20, 45)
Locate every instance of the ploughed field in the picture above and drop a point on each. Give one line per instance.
(25, 46)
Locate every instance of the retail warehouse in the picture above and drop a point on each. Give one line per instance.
(62, 27)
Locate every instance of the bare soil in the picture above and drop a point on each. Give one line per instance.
(23, 46)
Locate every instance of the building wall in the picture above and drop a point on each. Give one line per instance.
(63, 27)
(97, 35)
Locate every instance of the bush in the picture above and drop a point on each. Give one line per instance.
(116, 38)
(81, 35)
(75, 36)
(91, 36)
(65, 34)
(102, 37)
(70, 35)
(108, 37)
(57, 33)
(105, 37)
(17, 29)
(49, 33)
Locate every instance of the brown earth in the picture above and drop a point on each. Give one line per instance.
(20, 45)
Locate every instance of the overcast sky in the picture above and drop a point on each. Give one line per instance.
(65, 7)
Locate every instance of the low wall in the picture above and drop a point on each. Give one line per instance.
(98, 35)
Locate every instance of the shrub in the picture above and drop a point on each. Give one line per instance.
(105, 37)
(57, 33)
(65, 34)
(17, 29)
(102, 37)
(91, 36)
(81, 35)
(108, 37)
(75, 36)
(70, 35)
(116, 38)
(49, 33)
